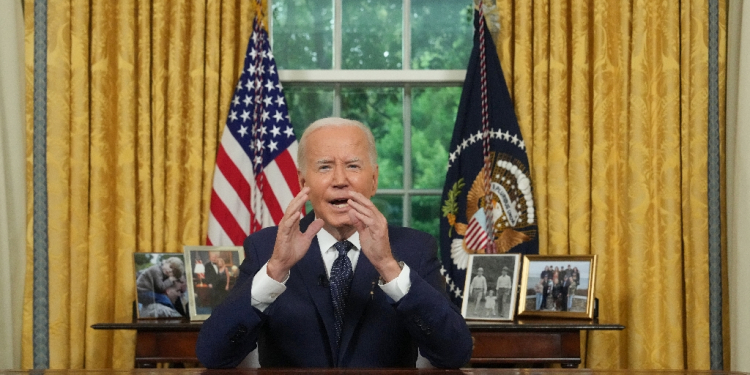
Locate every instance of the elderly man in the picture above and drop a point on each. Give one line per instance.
(338, 287)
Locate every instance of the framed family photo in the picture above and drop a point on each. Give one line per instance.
(491, 284)
(161, 285)
(212, 271)
(558, 286)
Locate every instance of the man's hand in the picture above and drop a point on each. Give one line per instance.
(373, 235)
(291, 244)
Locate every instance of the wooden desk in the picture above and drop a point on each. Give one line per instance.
(526, 342)
(531, 342)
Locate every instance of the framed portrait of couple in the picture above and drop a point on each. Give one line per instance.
(491, 286)
(212, 271)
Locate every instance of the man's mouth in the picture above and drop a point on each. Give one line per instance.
(340, 203)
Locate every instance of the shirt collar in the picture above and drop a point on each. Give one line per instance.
(326, 240)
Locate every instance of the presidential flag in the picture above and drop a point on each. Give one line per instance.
(487, 202)
(256, 172)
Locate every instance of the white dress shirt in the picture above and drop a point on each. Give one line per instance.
(266, 290)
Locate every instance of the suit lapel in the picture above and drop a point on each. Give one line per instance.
(313, 274)
(365, 280)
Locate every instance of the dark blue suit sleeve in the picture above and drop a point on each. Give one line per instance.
(231, 332)
(432, 319)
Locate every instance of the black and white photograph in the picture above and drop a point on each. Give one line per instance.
(161, 285)
(490, 291)
(212, 272)
(560, 286)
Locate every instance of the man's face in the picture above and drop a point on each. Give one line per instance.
(337, 161)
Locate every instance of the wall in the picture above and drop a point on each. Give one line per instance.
(738, 181)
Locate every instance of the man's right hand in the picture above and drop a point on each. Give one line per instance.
(291, 244)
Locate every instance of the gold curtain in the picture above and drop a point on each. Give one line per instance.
(137, 94)
(612, 98)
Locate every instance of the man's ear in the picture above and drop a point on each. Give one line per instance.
(375, 180)
(300, 179)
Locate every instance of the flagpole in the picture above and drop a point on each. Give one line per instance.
(486, 135)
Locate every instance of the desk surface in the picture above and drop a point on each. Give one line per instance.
(466, 371)
(518, 325)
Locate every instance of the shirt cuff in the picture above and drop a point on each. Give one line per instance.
(265, 290)
(398, 287)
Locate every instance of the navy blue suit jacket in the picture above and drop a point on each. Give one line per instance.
(297, 329)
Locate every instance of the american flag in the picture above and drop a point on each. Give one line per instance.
(256, 169)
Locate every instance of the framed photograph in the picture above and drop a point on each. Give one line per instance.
(161, 285)
(558, 286)
(211, 274)
(491, 284)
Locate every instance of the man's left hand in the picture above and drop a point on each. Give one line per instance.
(373, 235)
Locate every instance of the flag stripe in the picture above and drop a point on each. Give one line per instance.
(227, 221)
(238, 184)
(230, 200)
(288, 169)
(270, 201)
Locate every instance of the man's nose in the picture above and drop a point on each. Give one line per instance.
(339, 177)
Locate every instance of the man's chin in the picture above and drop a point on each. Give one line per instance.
(338, 225)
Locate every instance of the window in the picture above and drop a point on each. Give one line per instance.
(397, 66)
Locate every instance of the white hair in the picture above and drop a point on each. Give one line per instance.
(336, 121)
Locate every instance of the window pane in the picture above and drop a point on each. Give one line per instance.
(391, 206)
(442, 34)
(303, 36)
(425, 214)
(371, 34)
(381, 109)
(433, 117)
(307, 104)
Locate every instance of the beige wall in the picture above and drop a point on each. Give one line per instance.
(12, 182)
(738, 180)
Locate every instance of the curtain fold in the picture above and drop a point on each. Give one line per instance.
(137, 92)
(613, 98)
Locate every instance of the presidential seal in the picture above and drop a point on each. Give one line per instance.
(512, 205)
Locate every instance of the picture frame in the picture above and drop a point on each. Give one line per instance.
(489, 299)
(212, 271)
(160, 285)
(569, 290)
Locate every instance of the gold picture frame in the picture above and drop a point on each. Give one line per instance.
(558, 286)
(490, 287)
(207, 287)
